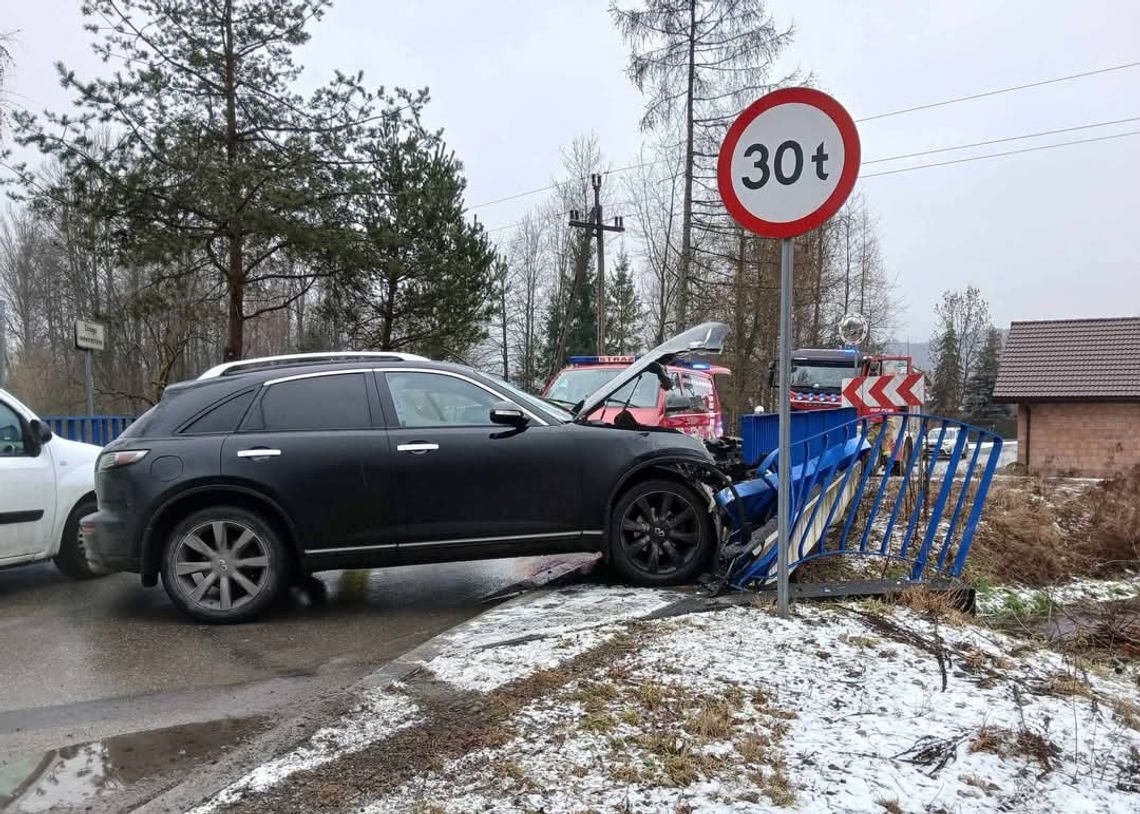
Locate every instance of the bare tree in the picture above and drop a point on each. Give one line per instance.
(698, 62)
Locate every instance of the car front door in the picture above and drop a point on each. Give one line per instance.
(463, 481)
(27, 490)
(315, 443)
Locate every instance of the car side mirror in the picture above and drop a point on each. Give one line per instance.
(505, 412)
(38, 434)
(677, 403)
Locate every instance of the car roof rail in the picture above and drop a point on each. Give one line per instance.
(327, 357)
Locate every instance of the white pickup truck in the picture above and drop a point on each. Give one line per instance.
(47, 484)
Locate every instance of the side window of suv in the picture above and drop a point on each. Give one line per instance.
(334, 402)
(437, 400)
(11, 433)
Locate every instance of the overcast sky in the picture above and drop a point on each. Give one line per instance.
(1046, 234)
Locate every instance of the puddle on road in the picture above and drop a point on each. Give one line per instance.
(73, 775)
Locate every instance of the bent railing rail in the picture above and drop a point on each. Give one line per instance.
(846, 500)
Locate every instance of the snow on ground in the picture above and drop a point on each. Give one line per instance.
(854, 708)
(1005, 599)
(381, 713)
(515, 640)
(738, 710)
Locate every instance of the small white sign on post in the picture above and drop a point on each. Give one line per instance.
(89, 335)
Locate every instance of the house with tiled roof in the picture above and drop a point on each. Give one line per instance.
(1076, 384)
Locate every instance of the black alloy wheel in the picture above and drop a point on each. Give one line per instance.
(662, 533)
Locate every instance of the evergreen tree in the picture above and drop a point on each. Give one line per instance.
(980, 406)
(217, 162)
(419, 277)
(945, 391)
(623, 310)
(582, 335)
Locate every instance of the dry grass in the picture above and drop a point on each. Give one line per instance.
(1036, 533)
(891, 806)
(1008, 743)
(942, 606)
(712, 720)
(1066, 684)
(1126, 712)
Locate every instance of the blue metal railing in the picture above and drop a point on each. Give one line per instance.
(104, 428)
(845, 500)
(760, 432)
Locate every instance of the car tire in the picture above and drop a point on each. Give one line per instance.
(661, 533)
(72, 557)
(224, 565)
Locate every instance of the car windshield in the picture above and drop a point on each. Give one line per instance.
(536, 403)
(821, 377)
(575, 384)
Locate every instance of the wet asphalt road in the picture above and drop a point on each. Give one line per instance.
(86, 662)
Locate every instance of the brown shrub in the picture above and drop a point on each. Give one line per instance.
(1038, 532)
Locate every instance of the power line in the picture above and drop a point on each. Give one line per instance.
(1007, 152)
(928, 166)
(888, 114)
(998, 91)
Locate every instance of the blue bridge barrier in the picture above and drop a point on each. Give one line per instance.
(846, 499)
(104, 428)
(760, 432)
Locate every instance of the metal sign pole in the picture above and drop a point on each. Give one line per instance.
(89, 391)
(784, 496)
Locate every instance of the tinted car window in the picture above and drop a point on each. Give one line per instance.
(224, 417)
(11, 433)
(436, 400)
(337, 402)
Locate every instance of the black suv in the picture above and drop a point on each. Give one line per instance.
(267, 469)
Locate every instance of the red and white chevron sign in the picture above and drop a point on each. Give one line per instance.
(883, 394)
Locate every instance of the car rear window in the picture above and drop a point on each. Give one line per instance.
(338, 402)
(222, 418)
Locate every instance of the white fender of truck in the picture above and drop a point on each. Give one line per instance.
(74, 465)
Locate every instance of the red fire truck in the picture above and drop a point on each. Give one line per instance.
(691, 406)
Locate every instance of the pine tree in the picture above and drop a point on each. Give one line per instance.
(945, 391)
(623, 310)
(217, 162)
(980, 406)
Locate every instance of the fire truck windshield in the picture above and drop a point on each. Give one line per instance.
(821, 377)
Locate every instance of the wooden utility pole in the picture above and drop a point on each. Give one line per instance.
(595, 224)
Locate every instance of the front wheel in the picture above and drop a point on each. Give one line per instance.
(661, 533)
(223, 565)
(72, 557)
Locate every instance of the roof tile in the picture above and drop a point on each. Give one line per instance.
(1071, 359)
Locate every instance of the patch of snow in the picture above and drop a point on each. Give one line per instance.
(517, 639)
(856, 703)
(380, 714)
(1013, 599)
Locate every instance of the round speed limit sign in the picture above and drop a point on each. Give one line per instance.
(788, 163)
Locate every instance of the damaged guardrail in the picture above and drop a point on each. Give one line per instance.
(845, 500)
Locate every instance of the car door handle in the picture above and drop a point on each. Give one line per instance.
(258, 452)
(417, 447)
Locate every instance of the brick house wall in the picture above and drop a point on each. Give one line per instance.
(1088, 438)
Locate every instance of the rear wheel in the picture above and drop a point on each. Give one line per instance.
(661, 533)
(72, 557)
(223, 565)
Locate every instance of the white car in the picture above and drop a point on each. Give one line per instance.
(47, 484)
(949, 439)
